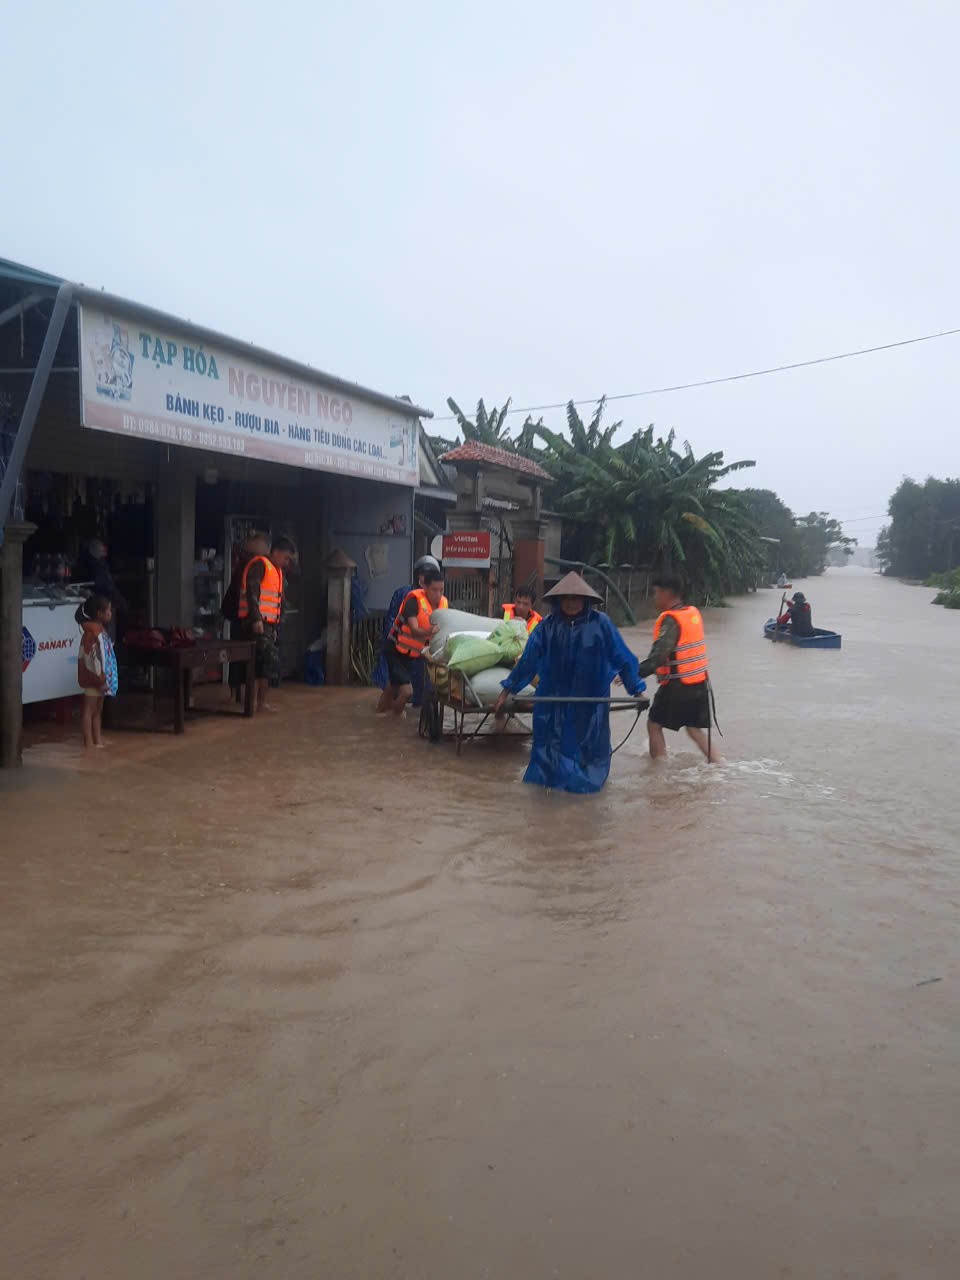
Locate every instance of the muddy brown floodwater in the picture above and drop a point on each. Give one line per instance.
(307, 997)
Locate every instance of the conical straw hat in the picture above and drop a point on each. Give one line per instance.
(572, 585)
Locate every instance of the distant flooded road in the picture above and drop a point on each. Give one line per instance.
(307, 997)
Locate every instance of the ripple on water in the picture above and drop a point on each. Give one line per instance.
(764, 778)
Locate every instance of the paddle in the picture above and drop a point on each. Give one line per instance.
(776, 629)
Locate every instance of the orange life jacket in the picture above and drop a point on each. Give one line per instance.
(271, 591)
(407, 644)
(510, 611)
(688, 662)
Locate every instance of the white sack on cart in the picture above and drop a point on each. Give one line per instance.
(454, 622)
(451, 622)
(486, 686)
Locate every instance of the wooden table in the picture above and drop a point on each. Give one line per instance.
(185, 659)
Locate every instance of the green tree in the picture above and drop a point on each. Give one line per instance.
(651, 503)
(489, 426)
(647, 502)
(819, 533)
(923, 536)
(774, 519)
(805, 543)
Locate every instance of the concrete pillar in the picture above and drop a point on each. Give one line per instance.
(464, 520)
(176, 539)
(15, 535)
(339, 569)
(312, 545)
(529, 546)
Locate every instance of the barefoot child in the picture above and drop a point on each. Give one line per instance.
(96, 665)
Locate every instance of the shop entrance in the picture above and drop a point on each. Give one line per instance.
(227, 513)
(70, 512)
(62, 565)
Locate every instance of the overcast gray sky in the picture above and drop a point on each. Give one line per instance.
(540, 200)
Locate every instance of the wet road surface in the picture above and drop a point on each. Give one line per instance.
(307, 997)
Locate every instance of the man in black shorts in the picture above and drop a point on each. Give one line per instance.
(679, 658)
(412, 630)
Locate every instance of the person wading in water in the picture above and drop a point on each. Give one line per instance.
(679, 659)
(575, 651)
(412, 630)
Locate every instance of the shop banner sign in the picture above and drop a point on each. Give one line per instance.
(466, 550)
(163, 385)
(49, 646)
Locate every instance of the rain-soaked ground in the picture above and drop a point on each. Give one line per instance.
(307, 997)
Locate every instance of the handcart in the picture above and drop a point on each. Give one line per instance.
(445, 689)
(451, 689)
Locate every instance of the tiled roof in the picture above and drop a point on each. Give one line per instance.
(487, 454)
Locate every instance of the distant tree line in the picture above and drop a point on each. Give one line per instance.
(805, 544)
(649, 503)
(922, 537)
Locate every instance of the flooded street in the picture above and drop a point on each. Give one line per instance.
(307, 997)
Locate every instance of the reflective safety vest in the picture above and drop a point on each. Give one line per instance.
(405, 642)
(271, 591)
(688, 662)
(510, 611)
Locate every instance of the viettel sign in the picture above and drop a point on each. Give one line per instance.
(468, 549)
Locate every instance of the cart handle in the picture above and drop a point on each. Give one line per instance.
(638, 702)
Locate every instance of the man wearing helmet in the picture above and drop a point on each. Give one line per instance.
(381, 674)
(412, 631)
(798, 615)
(422, 565)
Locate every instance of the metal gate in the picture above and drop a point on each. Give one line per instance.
(468, 590)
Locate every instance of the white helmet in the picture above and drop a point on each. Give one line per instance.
(423, 564)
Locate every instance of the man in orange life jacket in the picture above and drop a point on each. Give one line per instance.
(256, 543)
(522, 608)
(411, 633)
(679, 658)
(259, 609)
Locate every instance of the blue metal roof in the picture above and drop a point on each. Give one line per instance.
(27, 275)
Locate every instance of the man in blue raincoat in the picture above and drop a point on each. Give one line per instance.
(576, 652)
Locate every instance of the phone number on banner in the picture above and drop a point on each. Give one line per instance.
(176, 434)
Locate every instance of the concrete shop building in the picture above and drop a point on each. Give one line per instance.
(168, 440)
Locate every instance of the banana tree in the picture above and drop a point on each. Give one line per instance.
(648, 502)
(489, 426)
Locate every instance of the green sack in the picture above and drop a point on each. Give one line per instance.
(510, 639)
(470, 654)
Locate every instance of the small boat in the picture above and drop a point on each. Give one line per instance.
(819, 640)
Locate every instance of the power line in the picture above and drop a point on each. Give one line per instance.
(860, 519)
(733, 377)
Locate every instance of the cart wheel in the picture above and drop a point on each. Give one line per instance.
(436, 722)
(431, 721)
